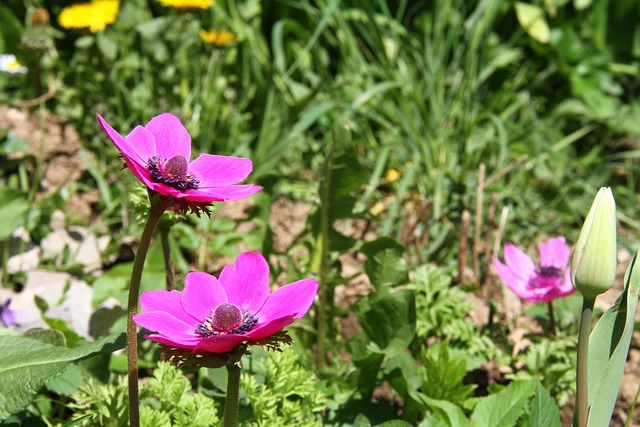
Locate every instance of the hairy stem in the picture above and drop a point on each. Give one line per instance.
(157, 208)
(582, 390)
(233, 392)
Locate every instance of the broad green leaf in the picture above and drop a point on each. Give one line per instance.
(390, 321)
(608, 349)
(385, 264)
(451, 414)
(531, 19)
(26, 365)
(361, 421)
(13, 207)
(365, 377)
(47, 336)
(66, 383)
(402, 374)
(394, 423)
(504, 408)
(545, 412)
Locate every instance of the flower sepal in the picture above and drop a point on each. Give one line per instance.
(191, 361)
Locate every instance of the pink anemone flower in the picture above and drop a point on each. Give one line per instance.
(543, 282)
(216, 315)
(159, 155)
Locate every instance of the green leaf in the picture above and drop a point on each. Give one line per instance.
(402, 374)
(13, 207)
(385, 265)
(451, 414)
(608, 348)
(66, 383)
(545, 412)
(390, 321)
(347, 178)
(107, 46)
(365, 377)
(47, 336)
(531, 19)
(11, 34)
(26, 365)
(504, 408)
(394, 423)
(78, 421)
(582, 4)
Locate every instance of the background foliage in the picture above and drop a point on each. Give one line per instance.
(326, 97)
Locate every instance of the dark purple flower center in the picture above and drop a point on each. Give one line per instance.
(546, 277)
(172, 172)
(226, 319)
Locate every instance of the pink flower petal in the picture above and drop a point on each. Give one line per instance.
(202, 293)
(247, 281)
(143, 142)
(554, 253)
(218, 194)
(290, 300)
(513, 281)
(127, 150)
(519, 262)
(142, 174)
(167, 325)
(267, 329)
(219, 343)
(168, 302)
(566, 287)
(188, 344)
(219, 171)
(171, 136)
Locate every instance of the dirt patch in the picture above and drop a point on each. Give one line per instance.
(57, 146)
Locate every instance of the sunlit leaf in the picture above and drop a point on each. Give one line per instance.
(545, 412)
(506, 407)
(531, 18)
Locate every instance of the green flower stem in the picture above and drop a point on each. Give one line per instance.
(582, 390)
(233, 393)
(165, 227)
(552, 319)
(158, 205)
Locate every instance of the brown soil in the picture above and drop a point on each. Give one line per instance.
(58, 150)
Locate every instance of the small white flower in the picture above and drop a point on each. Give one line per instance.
(9, 64)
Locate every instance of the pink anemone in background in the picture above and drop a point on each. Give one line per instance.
(159, 155)
(548, 280)
(217, 314)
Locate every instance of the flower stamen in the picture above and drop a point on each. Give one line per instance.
(173, 173)
(545, 277)
(226, 319)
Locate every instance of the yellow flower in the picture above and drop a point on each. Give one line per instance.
(187, 4)
(95, 15)
(219, 38)
(393, 175)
